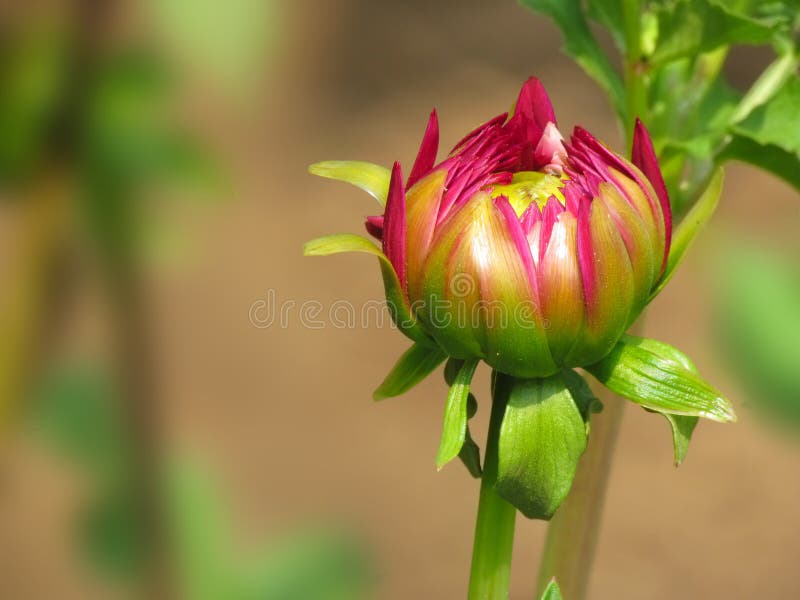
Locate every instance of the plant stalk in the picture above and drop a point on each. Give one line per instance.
(574, 530)
(494, 529)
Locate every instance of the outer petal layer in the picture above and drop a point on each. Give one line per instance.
(394, 225)
(478, 299)
(607, 283)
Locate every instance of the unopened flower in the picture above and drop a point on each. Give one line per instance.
(522, 249)
(533, 254)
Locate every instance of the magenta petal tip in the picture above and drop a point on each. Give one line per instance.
(426, 157)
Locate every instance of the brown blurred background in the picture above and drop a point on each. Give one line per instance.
(283, 415)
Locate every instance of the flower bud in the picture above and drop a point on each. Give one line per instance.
(522, 249)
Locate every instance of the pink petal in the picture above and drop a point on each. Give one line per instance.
(374, 226)
(643, 155)
(534, 104)
(422, 206)
(394, 225)
(561, 289)
(426, 157)
(585, 253)
(518, 238)
(608, 282)
(550, 214)
(530, 217)
(550, 149)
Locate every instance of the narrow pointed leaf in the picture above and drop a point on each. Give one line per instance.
(552, 591)
(372, 178)
(690, 226)
(470, 453)
(395, 295)
(455, 415)
(645, 373)
(542, 436)
(682, 429)
(416, 364)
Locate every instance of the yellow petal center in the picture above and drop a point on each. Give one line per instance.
(530, 186)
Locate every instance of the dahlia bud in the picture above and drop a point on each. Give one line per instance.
(533, 254)
(525, 251)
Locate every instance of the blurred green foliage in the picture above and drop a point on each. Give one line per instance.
(33, 65)
(77, 413)
(232, 47)
(758, 327)
(131, 146)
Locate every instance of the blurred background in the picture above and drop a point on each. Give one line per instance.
(162, 432)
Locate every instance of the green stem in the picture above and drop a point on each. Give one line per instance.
(636, 93)
(573, 532)
(494, 529)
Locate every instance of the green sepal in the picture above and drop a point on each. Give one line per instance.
(542, 437)
(454, 428)
(552, 591)
(690, 226)
(372, 178)
(470, 455)
(583, 395)
(395, 295)
(412, 367)
(656, 376)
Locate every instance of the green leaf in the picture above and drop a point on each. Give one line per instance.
(772, 159)
(648, 373)
(691, 27)
(782, 70)
(775, 122)
(372, 178)
(552, 591)
(454, 428)
(415, 365)
(690, 226)
(609, 14)
(581, 45)
(395, 295)
(682, 429)
(470, 455)
(542, 436)
(682, 426)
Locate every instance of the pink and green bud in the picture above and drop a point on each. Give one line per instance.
(534, 254)
(525, 250)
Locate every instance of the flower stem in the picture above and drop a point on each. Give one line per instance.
(573, 532)
(494, 529)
